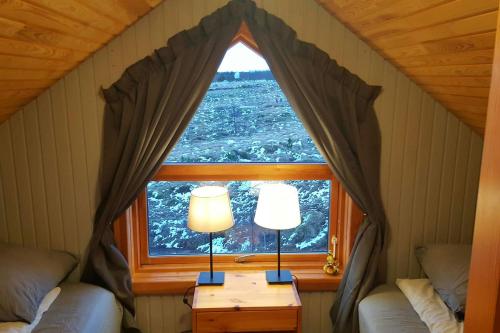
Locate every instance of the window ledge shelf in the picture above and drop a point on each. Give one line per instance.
(159, 283)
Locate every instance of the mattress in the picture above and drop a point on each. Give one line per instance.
(82, 308)
(387, 310)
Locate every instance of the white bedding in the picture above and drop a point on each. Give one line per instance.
(22, 327)
(429, 306)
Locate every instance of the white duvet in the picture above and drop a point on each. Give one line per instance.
(22, 327)
(429, 306)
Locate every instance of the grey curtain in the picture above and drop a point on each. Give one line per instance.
(147, 110)
(336, 107)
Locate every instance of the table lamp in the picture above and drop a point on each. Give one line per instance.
(210, 211)
(278, 209)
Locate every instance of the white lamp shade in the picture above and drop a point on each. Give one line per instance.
(210, 209)
(278, 207)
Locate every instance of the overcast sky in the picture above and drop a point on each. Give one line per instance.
(240, 58)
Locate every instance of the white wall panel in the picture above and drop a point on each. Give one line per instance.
(50, 151)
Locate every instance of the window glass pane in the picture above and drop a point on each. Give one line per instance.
(244, 117)
(168, 204)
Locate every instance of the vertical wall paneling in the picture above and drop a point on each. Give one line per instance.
(472, 180)
(88, 102)
(50, 152)
(4, 231)
(23, 179)
(79, 158)
(408, 184)
(421, 175)
(458, 193)
(9, 182)
(393, 202)
(36, 176)
(65, 166)
(51, 171)
(435, 174)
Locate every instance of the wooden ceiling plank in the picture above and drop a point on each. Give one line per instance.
(20, 31)
(452, 70)
(127, 11)
(25, 49)
(398, 10)
(457, 81)
(458, 91)
(5, 117)
(470, 109)
(445, 13)
(466, 117)
(473, 42)
(25, 84)
(37, 16)
(17, 98)
(19, 62)
(75, 10)
(362, 12)
(457, 58)
(7, 111)
(444, 46)
(463, 100)
(471, 25)
(29, 74)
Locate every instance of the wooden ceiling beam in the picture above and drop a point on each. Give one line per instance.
(483, 293)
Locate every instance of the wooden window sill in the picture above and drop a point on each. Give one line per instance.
(163, 283)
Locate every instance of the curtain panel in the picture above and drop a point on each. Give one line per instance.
(336, 108)
(148, 108)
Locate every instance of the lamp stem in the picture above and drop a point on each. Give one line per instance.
(279, 252)
(211, 260)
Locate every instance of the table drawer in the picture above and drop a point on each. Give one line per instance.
(247, 321)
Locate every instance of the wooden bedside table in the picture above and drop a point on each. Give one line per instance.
(246, 303)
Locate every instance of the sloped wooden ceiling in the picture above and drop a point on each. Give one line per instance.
(446, 46)
(40, 40)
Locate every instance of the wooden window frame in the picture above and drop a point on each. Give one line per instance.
(174, 274)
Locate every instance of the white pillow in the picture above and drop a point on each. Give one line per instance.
(429, 306)
(22, 327)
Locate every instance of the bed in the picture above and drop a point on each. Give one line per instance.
(82, 308)
(386, 309)
(35, 297)
(435, 303)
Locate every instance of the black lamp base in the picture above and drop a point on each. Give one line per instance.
(285, 277)
(205, 280)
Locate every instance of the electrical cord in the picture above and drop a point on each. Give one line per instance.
(185, 297)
